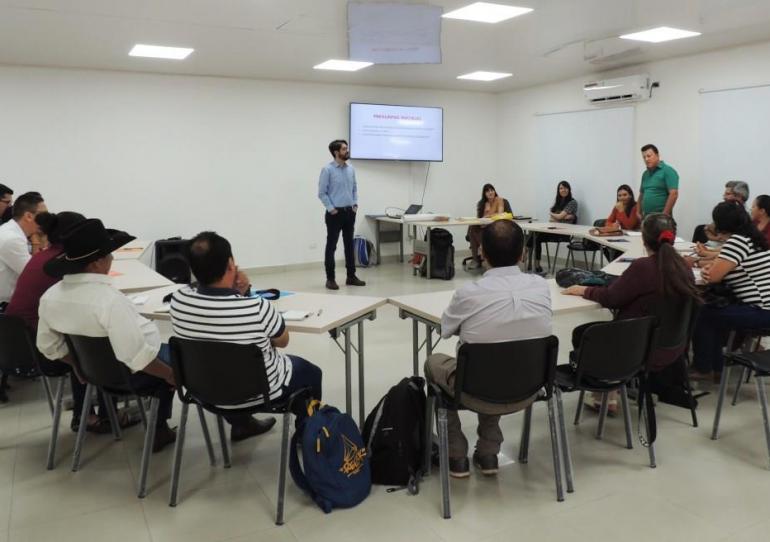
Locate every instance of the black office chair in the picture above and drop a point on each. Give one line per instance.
(95, 361)
(17, 349)
(676, 324)
(506, 209)
(585, 246)
(226, 378)
(500, 373)
(610, 356)
(759, 364)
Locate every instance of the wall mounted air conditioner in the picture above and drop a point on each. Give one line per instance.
(634, 88)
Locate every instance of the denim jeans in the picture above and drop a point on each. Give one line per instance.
(714, 326)
(303, 374)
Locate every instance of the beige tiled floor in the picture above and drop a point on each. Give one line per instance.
(702, 490)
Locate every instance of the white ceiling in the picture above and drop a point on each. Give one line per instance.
(283, 39)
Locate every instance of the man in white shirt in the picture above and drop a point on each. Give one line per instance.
(14, 244)
(86, 303)
(504, 305)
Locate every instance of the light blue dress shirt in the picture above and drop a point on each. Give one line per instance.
(337, 186)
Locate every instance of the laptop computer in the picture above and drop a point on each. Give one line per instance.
(413, 209)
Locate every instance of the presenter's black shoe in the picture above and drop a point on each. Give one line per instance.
(251, 428)
(331, 285)
(354, 281)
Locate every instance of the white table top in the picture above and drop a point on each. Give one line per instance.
(430, 306)
(335, 309)
(134, 276)
(132, 250)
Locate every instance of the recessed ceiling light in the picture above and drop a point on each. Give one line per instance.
(158, 51)
(342, 65)
(486, 12)
(484, 76)
(662, 33)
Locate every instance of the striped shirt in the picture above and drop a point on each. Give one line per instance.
(750, 280)
(220, 314)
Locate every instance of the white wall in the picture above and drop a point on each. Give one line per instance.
(169, 155)
(670, 120)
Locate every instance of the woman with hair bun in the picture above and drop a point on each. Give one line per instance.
(661, 275)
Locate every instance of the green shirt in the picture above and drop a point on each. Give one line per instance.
(655, 187)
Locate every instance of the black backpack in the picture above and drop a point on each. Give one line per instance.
(442, 255)
(394, 435)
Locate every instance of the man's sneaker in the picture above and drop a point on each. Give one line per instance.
(487, 464)
(331, 284)
(354, 281)
(459, 467)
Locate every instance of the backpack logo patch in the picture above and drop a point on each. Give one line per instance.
(353, 457)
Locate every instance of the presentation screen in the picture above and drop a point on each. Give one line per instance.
(396, 132)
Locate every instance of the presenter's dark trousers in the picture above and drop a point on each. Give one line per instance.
(343, 221)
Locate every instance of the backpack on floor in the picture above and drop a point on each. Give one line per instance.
(442, 255)
(335, 467)
(363, 250)
(394, 434)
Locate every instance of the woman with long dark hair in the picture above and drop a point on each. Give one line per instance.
(625, 214)
(489, 204)
(743, 265)
(564, 210)
(660, 277)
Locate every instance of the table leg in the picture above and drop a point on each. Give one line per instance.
(377, 239)
(348, 386)
(427, 256)
(416, 347)
(428, 340)
(361, 403)
(401, 242)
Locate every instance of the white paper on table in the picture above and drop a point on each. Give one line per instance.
(139, 299)
(165, 308)
(632, 233)
(295, 315)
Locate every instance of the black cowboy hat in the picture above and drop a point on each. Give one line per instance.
(85, 242)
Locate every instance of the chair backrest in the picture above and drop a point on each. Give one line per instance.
(506, 372)
(218, 373)
(615, 351)
(96, 362)
(676, 321)
(507, 206)
(17, 348)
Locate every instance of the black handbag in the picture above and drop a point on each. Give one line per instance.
(719, 296)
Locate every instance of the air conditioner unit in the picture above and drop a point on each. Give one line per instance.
(634, 88)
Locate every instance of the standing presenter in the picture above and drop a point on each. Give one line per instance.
(338, 192)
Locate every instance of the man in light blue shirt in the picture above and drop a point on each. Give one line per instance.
(338, 192)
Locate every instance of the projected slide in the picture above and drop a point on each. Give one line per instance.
(394, 132)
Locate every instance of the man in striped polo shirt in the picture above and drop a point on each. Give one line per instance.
(219, 309)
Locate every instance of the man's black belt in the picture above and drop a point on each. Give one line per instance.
(344, 208)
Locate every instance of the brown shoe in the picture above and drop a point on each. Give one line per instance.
(354, 281)
(164, 436)
(332, 285)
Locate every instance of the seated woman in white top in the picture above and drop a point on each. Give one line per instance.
(743, 265)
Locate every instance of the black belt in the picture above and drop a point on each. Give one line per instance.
(343, 208)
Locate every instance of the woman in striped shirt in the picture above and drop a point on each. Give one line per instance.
(743, 264)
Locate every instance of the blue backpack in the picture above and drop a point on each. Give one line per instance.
(336, 467)
(363, 250)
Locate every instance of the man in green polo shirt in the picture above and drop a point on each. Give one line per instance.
(660, 184)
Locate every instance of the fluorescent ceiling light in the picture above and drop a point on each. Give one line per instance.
(662, 33)
(158, 51)
(342, 65)
(484, 76)
(486, 12)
